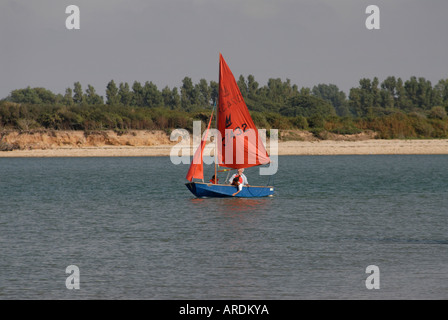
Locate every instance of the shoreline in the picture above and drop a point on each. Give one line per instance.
(320, 147)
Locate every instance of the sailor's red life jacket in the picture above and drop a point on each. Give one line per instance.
(240, 179)
(213, 180)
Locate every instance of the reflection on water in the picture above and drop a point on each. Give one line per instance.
(233, 205)
(238, 220)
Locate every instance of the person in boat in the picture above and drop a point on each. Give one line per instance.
(238, 182)
(212, 180)
(240, 174)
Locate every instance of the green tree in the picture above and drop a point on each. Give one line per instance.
(331, 93)
(68, 98)
(252, 87)
(137, 94)
(375, 91)
(305, 91)
(124, 94)
(78, 96)
(152, 96)
(92, 98)
(242, 85)
(389, 84)
(112, 97)
(26, 95)
(389, 92)
(308, 106)
(171, 98)
(425, 94)
(204, 92)
(188, 94)
(441, 90)
(419, 92)
(274, 90)
(402, 101)
(355, 105)
(365, 100)
(214, 92)
(33, 96)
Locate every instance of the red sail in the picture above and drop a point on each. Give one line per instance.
(196, 170)
(241, 143)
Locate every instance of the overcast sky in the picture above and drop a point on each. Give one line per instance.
(306, 41)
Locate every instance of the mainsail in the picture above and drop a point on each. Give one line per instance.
(241, 146)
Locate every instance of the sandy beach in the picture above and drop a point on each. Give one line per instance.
(323, 147)
(157, 143)
(364, 147)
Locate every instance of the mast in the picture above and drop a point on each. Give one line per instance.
(216, 140)
(216, 147)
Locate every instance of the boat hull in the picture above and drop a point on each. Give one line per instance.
(210, 190)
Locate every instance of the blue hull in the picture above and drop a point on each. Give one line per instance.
(200, 189)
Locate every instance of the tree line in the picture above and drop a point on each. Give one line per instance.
(394, 108)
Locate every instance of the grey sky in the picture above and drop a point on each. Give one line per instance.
(308, 42)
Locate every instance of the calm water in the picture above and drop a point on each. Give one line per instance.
(135, 231)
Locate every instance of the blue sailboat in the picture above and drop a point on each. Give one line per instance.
(240, 146)
(210, 190)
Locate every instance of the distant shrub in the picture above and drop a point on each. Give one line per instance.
(421, 125)
(437, 112)
(316, 121)
(277, 121)
(393, 126)
(341, 125)
(440, 128)
(27, 124)
(259, 120)
(300, 122)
